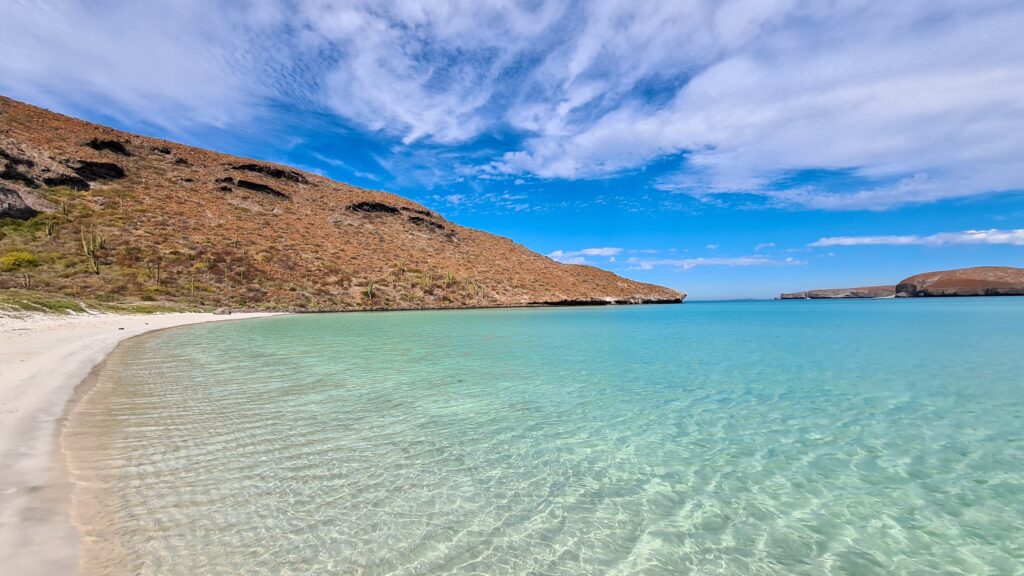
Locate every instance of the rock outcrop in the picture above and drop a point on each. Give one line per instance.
(141, 218)
(980, 281)
(829, 293)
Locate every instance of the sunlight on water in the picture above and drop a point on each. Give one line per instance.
(854, 437)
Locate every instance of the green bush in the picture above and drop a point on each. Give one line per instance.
(18, 260)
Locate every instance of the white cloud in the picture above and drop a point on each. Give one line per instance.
(992, 236)
(688, 263)
(916, 101)
(763, 246)
(711, 246)
(580, 256)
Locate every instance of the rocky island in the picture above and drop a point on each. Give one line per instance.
(90, 212)
(978, 281)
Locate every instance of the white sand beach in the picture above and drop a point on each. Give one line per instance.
(42, 359)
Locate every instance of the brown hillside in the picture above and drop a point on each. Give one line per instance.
(87, 210)
(979, 281)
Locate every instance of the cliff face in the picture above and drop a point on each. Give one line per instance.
(863, 292)
(112, 215)
(980, 281)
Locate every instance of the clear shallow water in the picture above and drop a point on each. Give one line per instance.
(848, 437)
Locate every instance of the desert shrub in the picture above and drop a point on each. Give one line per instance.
(18, 260)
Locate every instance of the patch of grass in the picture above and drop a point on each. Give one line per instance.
(24, 301)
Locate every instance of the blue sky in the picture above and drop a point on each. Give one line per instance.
(731, 149)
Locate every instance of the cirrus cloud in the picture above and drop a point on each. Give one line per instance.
(991, 236)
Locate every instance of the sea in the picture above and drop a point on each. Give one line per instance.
(853, 437)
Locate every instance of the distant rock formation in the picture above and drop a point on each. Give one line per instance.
(980, 281)
(828, 293)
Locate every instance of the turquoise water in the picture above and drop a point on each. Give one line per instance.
(803, 437)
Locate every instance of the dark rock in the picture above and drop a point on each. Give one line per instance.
(426, 213)
(225, 180)
(372, 207)
(611, 301)
(273, 172)
(420, 221)
(13, 206)
(12, 174)
(109, 146)
(162, 149)
(225, 188)
(73, 182)
(93, 171)
(187, 180)
(262, 188)
(181, 161)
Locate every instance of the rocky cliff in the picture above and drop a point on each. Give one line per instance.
(980, 281)
(86, 210)
(828, 293)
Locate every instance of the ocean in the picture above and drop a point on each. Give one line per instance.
(723, 438)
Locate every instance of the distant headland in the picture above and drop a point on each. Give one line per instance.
(978, 281)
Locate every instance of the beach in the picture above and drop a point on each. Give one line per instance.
(44, 358)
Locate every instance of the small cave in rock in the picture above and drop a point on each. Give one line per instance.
(108, 146)
(372, 207)
(181, 161)
(93, 171)
(73, 182)
(162, 149)
(12, 174)
(261, 188)
(225, 188)
(421, 221)
(187, 180)
(273, 172)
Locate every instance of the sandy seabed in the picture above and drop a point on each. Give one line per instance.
(43, 358)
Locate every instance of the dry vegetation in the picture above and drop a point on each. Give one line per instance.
(98, 214)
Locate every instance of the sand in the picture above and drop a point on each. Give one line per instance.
(42, 359)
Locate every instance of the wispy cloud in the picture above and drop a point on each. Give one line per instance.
(741, 94)
(580, 256)
(764, 246)
(992, 236)
(688, 263)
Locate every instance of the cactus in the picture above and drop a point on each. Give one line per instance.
(370, 291)
(51, 224)
(92, 244)
(449, 279)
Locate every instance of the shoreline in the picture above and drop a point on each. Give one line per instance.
(46, 358)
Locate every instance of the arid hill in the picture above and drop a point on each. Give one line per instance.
(829, 293)
(89, 211)
(980, 281)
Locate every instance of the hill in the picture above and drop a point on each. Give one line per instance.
(978, 281)
(92, 212)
